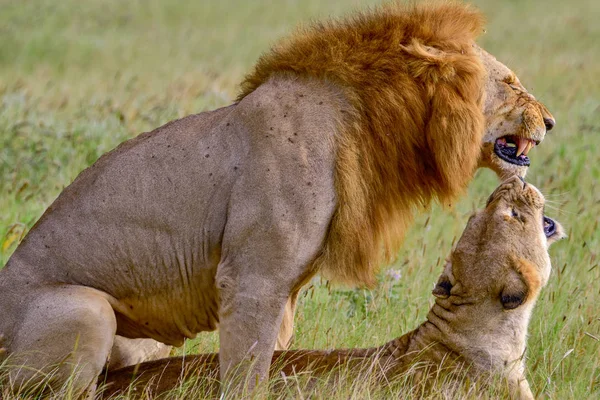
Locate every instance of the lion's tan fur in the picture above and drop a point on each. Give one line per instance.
(379, 60)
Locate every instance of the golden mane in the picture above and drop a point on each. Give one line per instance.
(414, 134)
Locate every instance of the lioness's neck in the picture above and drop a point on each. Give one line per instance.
(425, 344)
(463, 333)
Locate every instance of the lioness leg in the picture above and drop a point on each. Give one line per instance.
(126, 352)
(67, 332)
(286, 331)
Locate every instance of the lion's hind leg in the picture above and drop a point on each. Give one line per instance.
(63, 340)
(126, 352)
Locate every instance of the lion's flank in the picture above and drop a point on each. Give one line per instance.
(414, 133)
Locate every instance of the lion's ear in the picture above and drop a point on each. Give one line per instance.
(444, 286)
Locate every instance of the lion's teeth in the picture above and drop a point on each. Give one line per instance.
(523, 145)
(529, 147)
(511, 145)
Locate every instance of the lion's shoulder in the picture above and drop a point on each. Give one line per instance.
(289, 109)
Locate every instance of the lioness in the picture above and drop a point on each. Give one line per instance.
(219, 218)
(484, 300)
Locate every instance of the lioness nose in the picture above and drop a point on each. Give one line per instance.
(549, 122)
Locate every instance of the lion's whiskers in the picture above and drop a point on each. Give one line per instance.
(560, 210)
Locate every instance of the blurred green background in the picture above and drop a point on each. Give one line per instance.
(77, 77)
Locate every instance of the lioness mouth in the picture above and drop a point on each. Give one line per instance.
(514, 149)
(549, 227)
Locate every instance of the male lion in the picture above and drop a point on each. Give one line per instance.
(484, 300)
(220, 218)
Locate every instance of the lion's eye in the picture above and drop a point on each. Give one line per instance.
(517, 215)
(513, 86)
(511, 82)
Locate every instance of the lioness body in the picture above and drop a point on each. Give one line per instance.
(484, 300)
(220, 217)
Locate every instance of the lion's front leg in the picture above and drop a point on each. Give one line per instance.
(250, 321)
(278, 217)
(519, 388)
(254, 295)
(265, 259)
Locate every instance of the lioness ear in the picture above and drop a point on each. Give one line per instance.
(522, 283)
(443, 285)
(442, 288)
(513, 294)
(515, 290)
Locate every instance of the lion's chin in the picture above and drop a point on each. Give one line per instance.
(503, 169)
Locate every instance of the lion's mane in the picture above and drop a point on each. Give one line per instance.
(413, 133)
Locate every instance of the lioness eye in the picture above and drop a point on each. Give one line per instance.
(514, 213)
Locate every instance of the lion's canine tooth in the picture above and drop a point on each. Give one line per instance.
(530, 145)
(523, 145)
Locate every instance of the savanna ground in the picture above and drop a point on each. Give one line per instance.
(79, 77)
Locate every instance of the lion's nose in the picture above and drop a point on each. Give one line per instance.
(549, 122)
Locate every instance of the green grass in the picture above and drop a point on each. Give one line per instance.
(79, 77)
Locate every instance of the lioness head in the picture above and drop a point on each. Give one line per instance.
(486, 293)
(502, 254)
(515, 120)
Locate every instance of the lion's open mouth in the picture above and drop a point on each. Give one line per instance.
(549, 227)
(514, 149)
